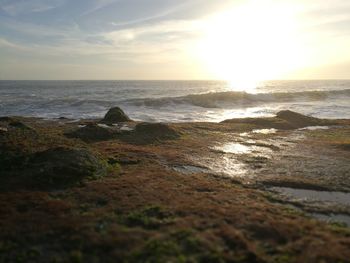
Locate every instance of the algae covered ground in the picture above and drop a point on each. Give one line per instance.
(122, 191)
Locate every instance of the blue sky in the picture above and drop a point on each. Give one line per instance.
(141, 39)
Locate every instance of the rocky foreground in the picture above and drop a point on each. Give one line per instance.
(115, 190)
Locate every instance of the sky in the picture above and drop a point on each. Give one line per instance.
(175, 39)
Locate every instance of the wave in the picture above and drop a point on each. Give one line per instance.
(231, 99)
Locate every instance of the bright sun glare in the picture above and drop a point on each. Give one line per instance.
(252, 42)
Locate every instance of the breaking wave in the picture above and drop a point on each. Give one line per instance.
(233, 99)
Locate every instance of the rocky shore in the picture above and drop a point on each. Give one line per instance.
(116, 190)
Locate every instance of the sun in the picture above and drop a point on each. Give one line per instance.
(252, 42)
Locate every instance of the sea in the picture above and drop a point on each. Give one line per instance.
(174, 101)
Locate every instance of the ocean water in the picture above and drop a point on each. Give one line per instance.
(173, 101)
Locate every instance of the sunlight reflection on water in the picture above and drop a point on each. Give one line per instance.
(228, 166)
(232, 163)
(236, 148)
(265, 131)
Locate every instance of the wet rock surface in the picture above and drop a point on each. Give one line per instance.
(299, 161)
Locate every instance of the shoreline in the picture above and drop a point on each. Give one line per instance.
(200, 192)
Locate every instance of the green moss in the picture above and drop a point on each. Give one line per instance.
(294, 211)
(284, 258)
(338, 224)
(114, 168)
(340, 228)
(15, 252)
(150, 217)
(33, 253)
(159, 251)
(270, 197)
(337, 137)
(180, 246)
(76, 256)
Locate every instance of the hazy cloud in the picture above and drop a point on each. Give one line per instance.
(123, 32)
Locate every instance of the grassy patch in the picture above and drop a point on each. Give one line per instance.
(150, 217)
(180, 246)
(284, 258)
(113, 168)
(13, 252)
(341, 228)
(76, 256)
(337, 137)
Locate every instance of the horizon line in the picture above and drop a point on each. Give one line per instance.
(223, 80)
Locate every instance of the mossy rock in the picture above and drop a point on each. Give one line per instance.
(115, 115)
(8, 124)
(62, 166)
(20, 125)
(91, 132)
(54, 168)
(39, 159)
(156, 131)
(16, 142)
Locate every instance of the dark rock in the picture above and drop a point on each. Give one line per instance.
(14, 123)
(19, 125)
(284, 120)
(63, 166)
(155, 131)
(91, 132)
(344, 146)
(268, 122)
(6, 119)
(11, 159)
(298, 120)
(303, 184)
(115, 115)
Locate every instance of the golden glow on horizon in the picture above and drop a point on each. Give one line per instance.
(252, 42)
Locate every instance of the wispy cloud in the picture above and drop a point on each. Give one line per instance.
(124, 32)
(134, 44)
(119, 38)
(16, 7)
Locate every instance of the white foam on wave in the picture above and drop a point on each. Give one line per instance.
(103, 126)
(313, 128)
